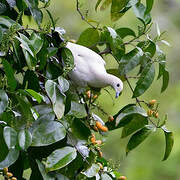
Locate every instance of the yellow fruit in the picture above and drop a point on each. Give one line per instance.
(152, 102)
(110, 118)
(99, 142)
(149, 112)
(13, 178)
(88, 94)
(100, 165)
(104, 129)
(9, 174)
(5, 170)
(122, 178)
(93, 139)
(98, 125)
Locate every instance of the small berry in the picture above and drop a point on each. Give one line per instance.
(93, 140)
(9, 174)
(110, 118)
(104, 129)
(149, 112)
(13, 178)
(156, 115)
(100, 165)
(152, 102)
(122, 178)
(100, 154)
(88, 94)
(98, 125)
(5, 170)
(95, 96)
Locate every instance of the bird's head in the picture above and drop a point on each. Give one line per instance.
(117, 85)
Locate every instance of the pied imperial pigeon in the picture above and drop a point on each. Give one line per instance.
(90, 70)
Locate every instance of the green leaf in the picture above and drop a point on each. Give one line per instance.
(115, 42)
(3, 101)
(52, 51)
(139, 10)
(3, 8)
(36, 13)
(36, 42)
(146, 79)
(137, 122)
(92, 171)
(60, 158)
(10, 137)
(116, 7)
(125, 115)
(89, 37)
(24, 139)
(77, 110)
(151, 48)
(138, 138)
(169, 142)
(35, 95)
(130, 60)
(7, 22)
(1, 34)
(43, 171)
(80, 130)
(63, 83)
(149, 5)
(165, 80)
(47, 132)
(123, 32)
(56, 97)
(97, 4)
(9, 74)
(4, 148)
(10, 158)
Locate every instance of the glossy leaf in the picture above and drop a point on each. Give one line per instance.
(9, 74)
(92, 171)
(123, 32)
(137, 122)
(165, 80)
(3, 101)
(126, 114)
(6, 21)
(145, 81)
(11, 157)
(3, 8)
(10, 137)
(139, 10)
(89, 37)
(24, 139)
(169, 142)
(63, 83)
(149, 5)
(138, 138)
(35, 95)
(77, 110)
(130, 60)
(47, 132)
(43, 171)
(116, 7)
(60, 158)
(56, 97)
(4, 148)
(36, 42)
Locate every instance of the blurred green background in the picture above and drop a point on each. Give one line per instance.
(144, 163)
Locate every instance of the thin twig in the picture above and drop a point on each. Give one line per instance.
(106, 51)
(82, 16)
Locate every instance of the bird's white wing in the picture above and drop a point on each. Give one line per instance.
(85, 53)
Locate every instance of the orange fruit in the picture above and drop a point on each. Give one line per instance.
(104, 129)
(5, 170)
(152, 102)
(9, 174)
(149, 112)
(88, 94)
(100, 154)
(95, 96)
(100, 165)
(156, 115)
(98, 125)
(13, 178)
(122, 178)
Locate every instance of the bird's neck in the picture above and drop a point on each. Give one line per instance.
(109, 80)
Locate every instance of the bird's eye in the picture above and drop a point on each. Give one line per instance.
(118, 85)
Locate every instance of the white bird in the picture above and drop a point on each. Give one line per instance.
(90, 70)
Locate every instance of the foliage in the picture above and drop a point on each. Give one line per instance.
(44, 125)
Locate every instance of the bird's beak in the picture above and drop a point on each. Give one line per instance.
(118, 94)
